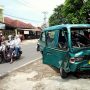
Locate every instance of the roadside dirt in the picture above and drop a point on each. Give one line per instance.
(37, 76)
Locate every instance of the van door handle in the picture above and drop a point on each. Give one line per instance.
(49, 53)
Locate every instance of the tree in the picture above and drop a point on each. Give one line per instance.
(72, 7)
(57, 16)
(73, 11)
(85, 10)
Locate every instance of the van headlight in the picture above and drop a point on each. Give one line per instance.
(75, 59)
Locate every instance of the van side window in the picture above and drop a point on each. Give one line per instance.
(80, 37)
(50, 38)
(62, 41)
(43, 37)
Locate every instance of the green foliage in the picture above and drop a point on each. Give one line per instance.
(73, 11)
(56, 17)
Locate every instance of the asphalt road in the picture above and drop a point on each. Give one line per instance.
(29, 54)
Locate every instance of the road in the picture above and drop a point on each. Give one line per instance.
(39, 76)
(29, 54)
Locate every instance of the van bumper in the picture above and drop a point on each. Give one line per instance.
(80, 66)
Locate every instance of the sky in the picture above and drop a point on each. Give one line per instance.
(30, 11)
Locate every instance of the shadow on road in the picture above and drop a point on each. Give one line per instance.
(74, 76)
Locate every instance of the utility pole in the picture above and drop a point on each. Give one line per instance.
(44, 19)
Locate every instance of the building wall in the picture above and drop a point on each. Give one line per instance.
(8, 32)
(1, 14)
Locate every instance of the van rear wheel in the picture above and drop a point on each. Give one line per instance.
(63, 73)
(38, 47)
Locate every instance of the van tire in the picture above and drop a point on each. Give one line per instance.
(42, 52)
(63, 73)
(38, 47)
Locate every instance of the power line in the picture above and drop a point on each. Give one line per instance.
(24, 3)
(21, 18)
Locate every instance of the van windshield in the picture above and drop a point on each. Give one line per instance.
(80, 37)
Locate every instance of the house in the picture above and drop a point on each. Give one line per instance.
(18, 27)
(9, 26)
(32, 33)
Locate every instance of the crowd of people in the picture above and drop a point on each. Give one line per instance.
(13, 43)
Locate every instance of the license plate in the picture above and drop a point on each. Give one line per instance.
(89, 62)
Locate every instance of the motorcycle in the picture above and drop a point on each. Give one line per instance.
(15, 55)
(2, 56)
(6, 53)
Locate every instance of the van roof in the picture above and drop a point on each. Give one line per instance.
(56, 27)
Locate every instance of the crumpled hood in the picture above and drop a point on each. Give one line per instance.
(80, 52)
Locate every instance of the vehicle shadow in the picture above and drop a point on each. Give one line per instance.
(73, 76)
(82, 74)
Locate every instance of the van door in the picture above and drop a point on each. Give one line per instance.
(42, 41)
(56, 49)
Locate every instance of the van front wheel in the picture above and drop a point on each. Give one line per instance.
(63, 73)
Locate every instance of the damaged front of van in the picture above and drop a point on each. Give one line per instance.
(79, 43)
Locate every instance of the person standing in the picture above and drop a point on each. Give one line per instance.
(11, 44)
(2, 44)
(17, 44)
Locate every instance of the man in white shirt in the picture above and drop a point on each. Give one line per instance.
(17, 44)
(11, 44)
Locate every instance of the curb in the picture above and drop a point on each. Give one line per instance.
(7, 73)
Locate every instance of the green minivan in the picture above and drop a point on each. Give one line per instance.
(66, 47)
